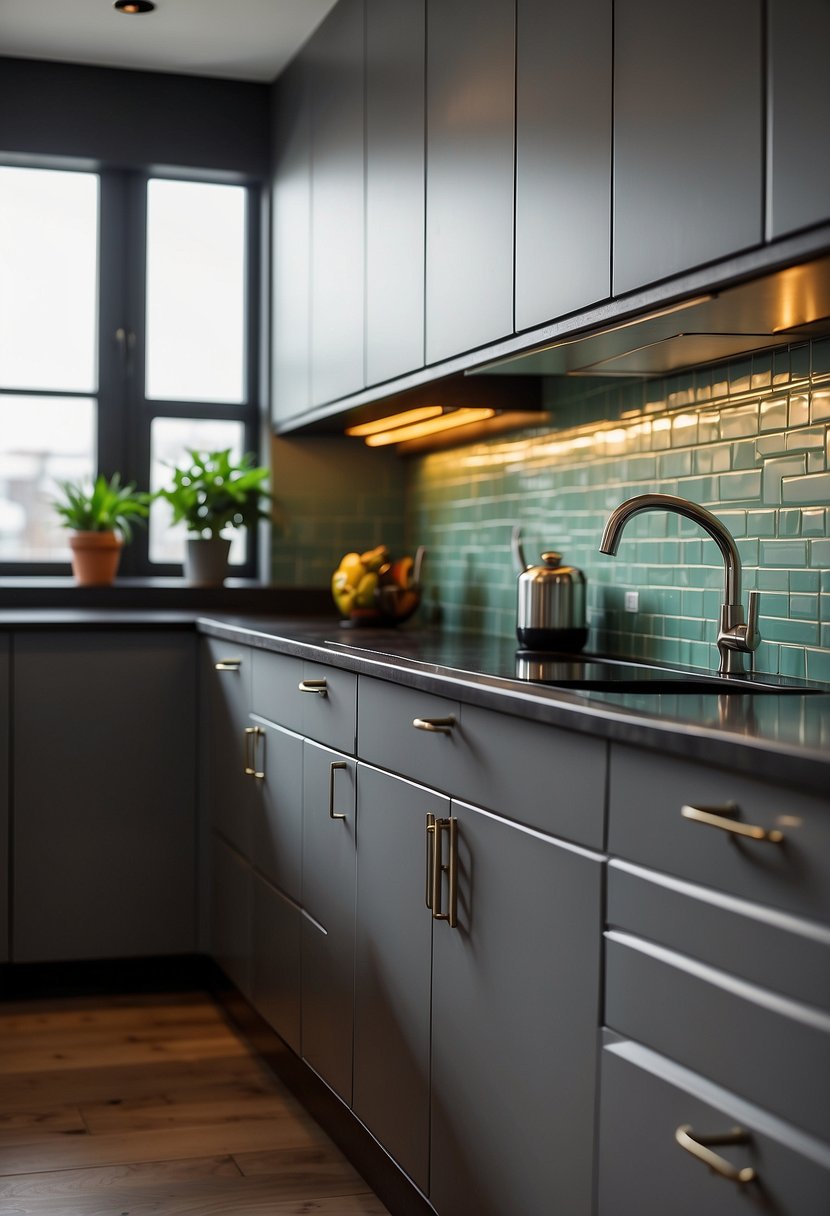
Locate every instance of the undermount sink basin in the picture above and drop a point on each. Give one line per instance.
(591, 673)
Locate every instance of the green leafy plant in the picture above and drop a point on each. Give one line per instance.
(103, 506)
(212, 492)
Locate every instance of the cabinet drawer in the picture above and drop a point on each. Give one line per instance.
(549, 779)
(769, 1049)
(275, 964)
(314, 699)
(643, 1171)
(645, 825)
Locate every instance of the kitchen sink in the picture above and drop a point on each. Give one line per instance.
(592, 673)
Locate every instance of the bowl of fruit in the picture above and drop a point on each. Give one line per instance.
(371, 589)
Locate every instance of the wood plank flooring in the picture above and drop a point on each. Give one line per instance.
(153, 1106)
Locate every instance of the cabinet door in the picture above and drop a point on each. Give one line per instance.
(515, 1017)
(393, 967)
(5, 714)
(798, 182)
(687, 135)
(276, 833)
(291, 245)
(563, 157)
(226, 679)
(643, 1171)
(470, 117)
(328, 920)
(104, 795)
(337, 204)
(395, 34)
(275, 960)
(230, 914)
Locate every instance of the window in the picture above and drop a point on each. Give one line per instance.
(127, 335)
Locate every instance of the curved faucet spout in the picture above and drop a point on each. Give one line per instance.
(680, 506)
(734, 637)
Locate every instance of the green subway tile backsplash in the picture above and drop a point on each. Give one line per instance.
(750, 440)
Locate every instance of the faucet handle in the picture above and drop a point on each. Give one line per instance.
(752, 634)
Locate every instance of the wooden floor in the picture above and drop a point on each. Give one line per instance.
(132, 1106)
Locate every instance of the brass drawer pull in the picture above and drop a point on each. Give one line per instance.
(252, 735)
(441, 726)
(430, 858)
(318, 686)
(227, 665)
(698, 1146)
(333, 767)
(723, 817)
(450, 826)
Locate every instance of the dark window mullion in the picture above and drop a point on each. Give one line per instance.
(135, 289)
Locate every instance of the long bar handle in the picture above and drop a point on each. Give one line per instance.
(333, 767)
(441, 726)
(723, 817)
(318, 686)
(430, 833)
(450, 826)
(252, 734)
(227, 665)
(699, 1148)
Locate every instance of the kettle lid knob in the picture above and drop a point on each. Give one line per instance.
(551, 559)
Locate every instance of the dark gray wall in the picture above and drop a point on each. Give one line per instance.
(133, 119)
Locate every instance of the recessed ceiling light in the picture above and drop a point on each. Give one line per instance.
(134, 6)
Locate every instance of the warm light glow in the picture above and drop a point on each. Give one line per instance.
(395, 420)
(432, 426)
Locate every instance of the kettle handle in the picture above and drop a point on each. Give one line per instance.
(519, 563)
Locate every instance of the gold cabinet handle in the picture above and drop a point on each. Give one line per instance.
(252, 735)
(318, 686)
(430, 859)
(441, 726)
(450, 826)
(724, 817)
(227, 665)
(333, 767)
(699, 1147)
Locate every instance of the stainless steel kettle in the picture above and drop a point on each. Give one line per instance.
(551, 602)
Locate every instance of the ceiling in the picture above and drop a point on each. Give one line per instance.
(234, 39)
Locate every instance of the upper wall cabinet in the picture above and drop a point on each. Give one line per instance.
(798, 186)
(336, 57)
(291, 245)
(395, 34)
(470, 146)
(687, 135)
(563, 157)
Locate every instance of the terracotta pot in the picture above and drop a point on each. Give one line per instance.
(95, 557)
(206, 561)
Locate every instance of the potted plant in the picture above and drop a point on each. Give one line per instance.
(210, 494)
(101, 517)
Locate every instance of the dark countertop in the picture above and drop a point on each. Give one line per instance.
(779, 736)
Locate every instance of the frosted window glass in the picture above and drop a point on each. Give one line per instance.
(170, 439)
(43, 440)
(195, 291)
(48, 279)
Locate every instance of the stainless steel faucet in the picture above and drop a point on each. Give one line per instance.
(735, 638)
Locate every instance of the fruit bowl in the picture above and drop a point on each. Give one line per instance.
(371, 589)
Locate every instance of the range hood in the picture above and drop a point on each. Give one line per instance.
(780, 307)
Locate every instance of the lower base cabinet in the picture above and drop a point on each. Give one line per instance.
(476, 1041)
(231, 912)
(275, 961)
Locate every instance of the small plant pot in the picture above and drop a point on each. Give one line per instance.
(206, 561)
(95, 557)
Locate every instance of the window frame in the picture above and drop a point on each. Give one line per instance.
(124, 413)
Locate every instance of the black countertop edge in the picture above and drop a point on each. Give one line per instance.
(739, 742)
(161, 594)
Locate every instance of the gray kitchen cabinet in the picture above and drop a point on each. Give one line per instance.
(275, 960)
(395, 50)
(563, 157)
(798, 173)
(226, 682)
(5, 735)
(336, 64)
(104, 794)
(644, 1171)
(231, 911)
(291, 244)
(277, 827)
(688, 132)
(469, 174)
(327, 931)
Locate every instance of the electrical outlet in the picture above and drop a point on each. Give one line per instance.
(632, 601)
